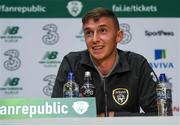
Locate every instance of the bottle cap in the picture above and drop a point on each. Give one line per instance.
(87, 74)
(162, 77)
(70, 76)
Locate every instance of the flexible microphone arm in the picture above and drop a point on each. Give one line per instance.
(105, 98)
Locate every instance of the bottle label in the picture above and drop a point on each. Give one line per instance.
(161, 94)
(71, 94)
(168, 93)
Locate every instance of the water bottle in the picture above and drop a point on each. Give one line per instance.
(88, 89)
(71, 88)
(169, 98)
(161, 95)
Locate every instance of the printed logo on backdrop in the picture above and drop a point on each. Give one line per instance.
(127, 36)
(161, 60)
(50, 59)
(10, 34)
(52, 36)
(50, 79)
(74, 7)
(11, 86)
(13, 62)
(80, 36)
(158, 33)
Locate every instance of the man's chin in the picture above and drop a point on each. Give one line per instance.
(97, 57)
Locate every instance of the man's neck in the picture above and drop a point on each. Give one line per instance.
(105, 66)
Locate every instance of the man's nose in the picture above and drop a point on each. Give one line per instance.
(95, 37)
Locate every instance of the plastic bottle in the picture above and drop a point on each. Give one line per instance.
(71, 88)
(169, 98)
(88, 89)
(161, 95)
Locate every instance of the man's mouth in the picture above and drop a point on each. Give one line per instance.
(97, 47)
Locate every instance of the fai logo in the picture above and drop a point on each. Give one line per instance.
(120, 95)
(74, 7)
(80, 107)
(127, 36)
(50, 83)
(52, 37)
(13, 62)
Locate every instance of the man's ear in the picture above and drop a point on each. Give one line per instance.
(119, 36)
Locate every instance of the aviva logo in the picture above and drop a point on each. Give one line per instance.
(160, 54)
(161, 61)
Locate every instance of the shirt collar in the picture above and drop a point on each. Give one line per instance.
(122, 65)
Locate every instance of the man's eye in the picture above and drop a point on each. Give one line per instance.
(88, 33)
(103, 30)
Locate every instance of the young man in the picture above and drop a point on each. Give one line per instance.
(124, 81)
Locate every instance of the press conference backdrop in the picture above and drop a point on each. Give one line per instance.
(36, 34)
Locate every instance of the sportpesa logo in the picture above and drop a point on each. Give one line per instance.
(158, 33)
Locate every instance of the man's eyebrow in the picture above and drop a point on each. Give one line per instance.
(87, 28)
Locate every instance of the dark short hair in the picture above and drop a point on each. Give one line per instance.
(99, 12)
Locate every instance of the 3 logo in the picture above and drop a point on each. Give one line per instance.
(13, 63)
(127, 36)
(51, 37)
(50, 79)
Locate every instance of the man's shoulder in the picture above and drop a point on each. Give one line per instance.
(129, 55)
(76, 54)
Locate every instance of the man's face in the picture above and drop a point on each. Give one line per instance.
(101, 38)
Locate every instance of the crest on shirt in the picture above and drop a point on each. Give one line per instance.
(120, 95)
